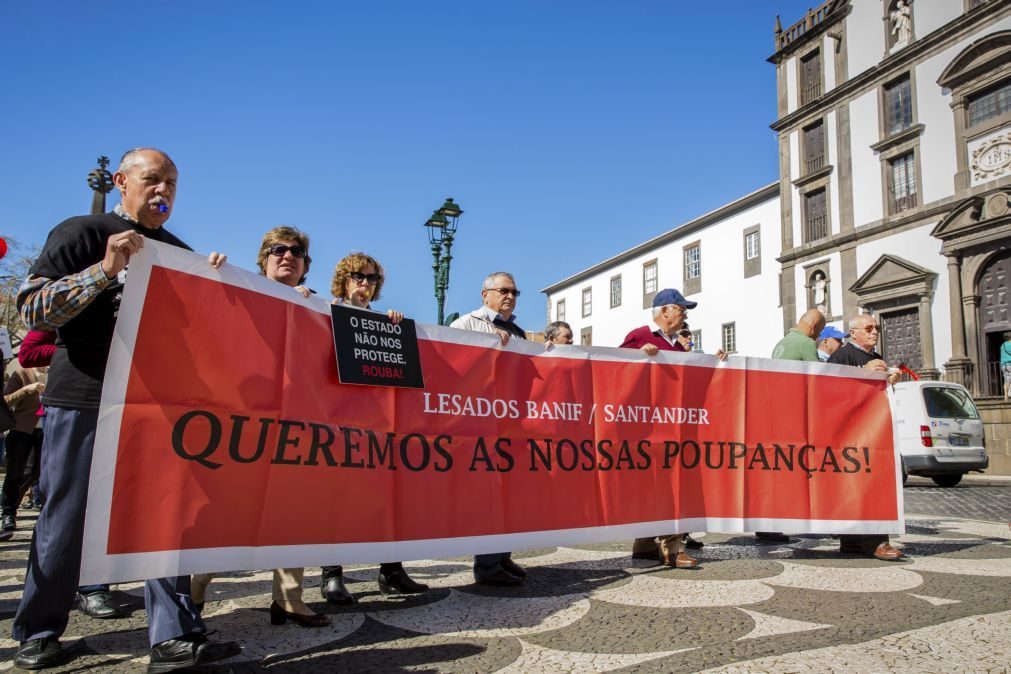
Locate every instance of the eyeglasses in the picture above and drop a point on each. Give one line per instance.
(872, 328)
(371, 279)
(279, 249)
(506, 291)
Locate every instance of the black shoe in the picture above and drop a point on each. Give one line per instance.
(99, 605)
(512, 567)
(278, 616)
(7, 523)
(772, 537)
(693, 544)
(333, 590)
(6, 535)
(189, 651)
(39, 654)
(398, 582)
(500, 578)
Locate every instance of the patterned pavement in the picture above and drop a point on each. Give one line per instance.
(797, 607)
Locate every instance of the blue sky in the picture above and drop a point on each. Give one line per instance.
(568, 131)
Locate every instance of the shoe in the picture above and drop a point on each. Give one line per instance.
(189, 651)
(39, 654)
(278, 616)
(6, 536)
(333, 590)
(652, 555)
(680, 561)
(692, 543)
(500, 578)
(887, 553)
(398, 582)
(512, 567)
(99, 605)
(772, 537)
(7, 523)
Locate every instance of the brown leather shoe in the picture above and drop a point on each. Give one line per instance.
(680, 561)
(886, 552)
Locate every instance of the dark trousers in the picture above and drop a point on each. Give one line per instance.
(22, 468)
(54, 561)
(865, 543)
(386, 568)
(488, 564)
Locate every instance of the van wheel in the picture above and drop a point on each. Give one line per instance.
(947, 480)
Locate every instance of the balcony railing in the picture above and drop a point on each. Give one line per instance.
(985, 381)
(817, 227)
(905, 203)
(799, 29)
(810, 92)
(814, 164)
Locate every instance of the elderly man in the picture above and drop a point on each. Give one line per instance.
(558, 332)
(859, 352)
(669, 311)
(495, 316)
(829, 341)
(75, 288)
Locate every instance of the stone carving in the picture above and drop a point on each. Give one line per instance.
(992, 158)
(819, 288)
(902, 23)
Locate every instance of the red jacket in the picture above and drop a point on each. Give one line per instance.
(646, 335)
(37, 349)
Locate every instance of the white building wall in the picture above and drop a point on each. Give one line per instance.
(938, 163)
(832, 157)
(726, 295)
(795, 208)
(929, 16)
(865, 35)
(791, 85)
(867, 187)
(917, 246)
(828, 63)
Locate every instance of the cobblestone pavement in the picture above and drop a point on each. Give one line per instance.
(798, 607)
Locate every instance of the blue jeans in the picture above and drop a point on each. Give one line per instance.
(54, 560)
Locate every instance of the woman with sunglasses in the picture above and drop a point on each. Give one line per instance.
(357, 281)
(283, 257)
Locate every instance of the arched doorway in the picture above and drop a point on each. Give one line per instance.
(994, 319)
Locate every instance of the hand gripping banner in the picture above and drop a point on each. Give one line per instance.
(226, 440)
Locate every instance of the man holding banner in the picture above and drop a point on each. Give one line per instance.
(495, 315)
(75, 288)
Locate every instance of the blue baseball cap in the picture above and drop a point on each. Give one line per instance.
(833, 332)
(671, 296)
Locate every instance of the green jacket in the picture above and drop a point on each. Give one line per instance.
(796, 346)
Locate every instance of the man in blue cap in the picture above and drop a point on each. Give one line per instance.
(829, 341)
(669, 310)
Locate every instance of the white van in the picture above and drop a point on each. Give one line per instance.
(939, 431)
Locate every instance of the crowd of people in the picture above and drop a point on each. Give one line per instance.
(70, 301)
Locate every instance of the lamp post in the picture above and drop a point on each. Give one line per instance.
(441, 230)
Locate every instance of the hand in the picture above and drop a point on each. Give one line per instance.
(650, 350)
(894, 376)
(502, 335)
(876, 365)
(548, 345)
(305, 291)
(395, 316)
(35, 387)
(216, 259)
(118, 250)
(721, 354)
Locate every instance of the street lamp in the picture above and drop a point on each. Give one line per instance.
(441, 230)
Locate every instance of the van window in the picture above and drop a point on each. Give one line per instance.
(948, 403)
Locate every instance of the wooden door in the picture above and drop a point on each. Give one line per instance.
(900, 338)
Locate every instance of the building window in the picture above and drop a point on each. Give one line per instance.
(815, 216)
(586, 336)
(751, 249)
(587, 301)
(560, 310)
(989, 104)
(697, 340)
(615, 291)
(693, 262)
(898, 105)
(814, 147)
(730, 337)
(810, 77)
(649, 283)
(902, 171)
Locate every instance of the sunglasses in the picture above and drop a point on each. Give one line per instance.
(872, 328)
(506, 291)
(371, 279)
(279, 249)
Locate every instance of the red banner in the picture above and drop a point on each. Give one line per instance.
(227, 442)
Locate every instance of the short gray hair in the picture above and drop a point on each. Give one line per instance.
(657, 310)
(489, 280)
(553, 329)
(130, 159)
(858, 319)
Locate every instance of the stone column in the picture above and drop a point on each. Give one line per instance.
(928, 371)
(959, 368)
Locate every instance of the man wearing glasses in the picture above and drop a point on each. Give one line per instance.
(859, 352)
(495, 316)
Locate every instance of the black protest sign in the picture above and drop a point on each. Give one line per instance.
(372, 350)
